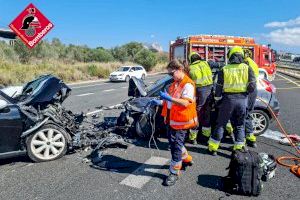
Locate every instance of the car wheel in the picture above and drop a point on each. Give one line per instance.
(260, 121)
(127, 78)
(48, 143)
(143, 77)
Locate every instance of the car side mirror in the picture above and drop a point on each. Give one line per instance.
(3, 104)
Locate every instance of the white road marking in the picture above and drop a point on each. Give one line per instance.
(85, 86)
(274, 135)
(124, 87)
(287, 88)
(100, 110)
(289, 80)
(86, 94)
(94, 112)
(141, 175)
(109, 90)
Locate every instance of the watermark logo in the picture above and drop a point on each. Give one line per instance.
(31, 26)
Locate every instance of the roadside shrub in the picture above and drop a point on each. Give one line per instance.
(92, 70)
(146, 58)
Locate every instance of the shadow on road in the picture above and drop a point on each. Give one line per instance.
(211, 181)
(12, 161)
(121, 165)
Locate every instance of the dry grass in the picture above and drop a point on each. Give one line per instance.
(14, 74)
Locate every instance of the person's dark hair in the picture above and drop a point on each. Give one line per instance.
(175, 65)
(195, 58)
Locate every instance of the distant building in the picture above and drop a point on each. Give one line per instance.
(8, 36)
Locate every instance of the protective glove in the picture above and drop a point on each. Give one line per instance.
(155, 102)
(165, 96)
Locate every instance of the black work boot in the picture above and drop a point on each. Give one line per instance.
(170, 180)
(251, 144)
(213, 153)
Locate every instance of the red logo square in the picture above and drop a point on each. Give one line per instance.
(31, 26)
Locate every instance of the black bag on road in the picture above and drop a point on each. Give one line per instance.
(245, 172)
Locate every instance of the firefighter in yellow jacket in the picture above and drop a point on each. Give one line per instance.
(179, 112)
(235, 81)
(200, 72)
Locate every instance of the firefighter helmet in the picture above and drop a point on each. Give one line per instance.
(193, 53)
(235, 50)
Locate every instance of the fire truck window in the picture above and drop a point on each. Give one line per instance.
(266, 56)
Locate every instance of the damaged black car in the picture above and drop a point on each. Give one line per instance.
(146, 119)
(33, 121)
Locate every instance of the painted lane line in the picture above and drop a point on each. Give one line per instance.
(289, 80)
(86, 94)
(290, 88)
(124, 87)
(109, 90)
(144, 173)
(85, 86)
(279, 79)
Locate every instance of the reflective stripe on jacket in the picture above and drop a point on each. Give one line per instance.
(181, 117)
(201, 74)
(235, 78)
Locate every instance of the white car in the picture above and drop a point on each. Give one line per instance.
(126, 72)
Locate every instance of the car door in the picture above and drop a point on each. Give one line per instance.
(11, 128)
(140, 72)
(134, 72)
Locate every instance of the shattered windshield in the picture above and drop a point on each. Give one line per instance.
(123, 69)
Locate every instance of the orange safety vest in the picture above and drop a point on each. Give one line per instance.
(181, 117)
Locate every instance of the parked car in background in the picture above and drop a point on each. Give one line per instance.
(124, 73)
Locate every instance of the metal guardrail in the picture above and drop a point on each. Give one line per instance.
(289, 68)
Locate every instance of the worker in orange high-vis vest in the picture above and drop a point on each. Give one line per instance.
(179, 112)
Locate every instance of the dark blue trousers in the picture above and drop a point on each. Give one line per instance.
(233, 109)
(176, 141)
(203, 98)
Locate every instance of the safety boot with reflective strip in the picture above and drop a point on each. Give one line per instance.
(213, 146)
(238, 146)
(193, 136)
(229, 128)
(251, 140)
(206, 131)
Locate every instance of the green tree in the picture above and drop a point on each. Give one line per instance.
(132, 48)
(101, 55)
(146, 58)
(24, 53)
(120, 53)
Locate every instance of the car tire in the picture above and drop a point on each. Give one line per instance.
(260, 121)
(143, 77)
(49, 142)
(127, 78)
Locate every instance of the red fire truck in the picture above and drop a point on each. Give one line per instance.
(215, 47)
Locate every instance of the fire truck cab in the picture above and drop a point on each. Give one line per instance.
(216, 47)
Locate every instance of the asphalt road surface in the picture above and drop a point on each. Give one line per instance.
(144, 169)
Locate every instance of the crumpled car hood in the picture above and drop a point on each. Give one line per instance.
(44, 90)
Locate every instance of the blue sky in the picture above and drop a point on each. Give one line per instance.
(109, 23)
